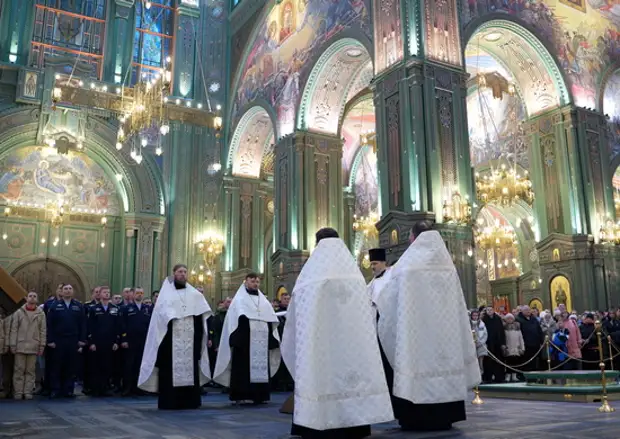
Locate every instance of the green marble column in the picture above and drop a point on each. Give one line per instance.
(16, 26)
(185, 48)
(118, 54)
(422, 139)
(129, 265)
(308, 196)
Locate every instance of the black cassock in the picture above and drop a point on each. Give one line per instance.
(240, 387)
(179, 398)
(335, 433)
(421, 417)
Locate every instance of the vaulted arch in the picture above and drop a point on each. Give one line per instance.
(253, 138)
(537, 77)
(342, 71)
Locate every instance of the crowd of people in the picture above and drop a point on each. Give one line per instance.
(528, 340)
(50, 348)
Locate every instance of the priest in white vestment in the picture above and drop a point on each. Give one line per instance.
(175, 363)
(381, 272)
(330, 347)
(249, 351)
(432, 363)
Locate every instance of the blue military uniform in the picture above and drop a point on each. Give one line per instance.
(136, 326)
(104, 327)
(66, 327)
(83, 366)
(47, 380)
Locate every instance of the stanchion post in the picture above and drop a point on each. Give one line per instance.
(605, 407)
(477, 400)
(611, 353)
(548, 352)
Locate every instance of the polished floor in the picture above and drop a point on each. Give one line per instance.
(125, 418)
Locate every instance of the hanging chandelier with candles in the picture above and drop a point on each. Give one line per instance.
(609, 233)
(366, 224)
(504, 186)
(495, 237)
(209, 249)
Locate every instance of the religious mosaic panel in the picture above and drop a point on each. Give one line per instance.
(584, 34)
(280, 57)
(35, 176)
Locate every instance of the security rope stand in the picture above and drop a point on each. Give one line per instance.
(477, 400)
(605, 406)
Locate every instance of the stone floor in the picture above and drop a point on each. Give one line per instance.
(123, 418)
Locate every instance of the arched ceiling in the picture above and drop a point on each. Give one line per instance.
(516, 58)
(358, 120)
(341, 72)
(254, 135)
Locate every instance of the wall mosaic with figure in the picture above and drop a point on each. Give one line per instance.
(39, 175)
(281, 55)
(583, 33)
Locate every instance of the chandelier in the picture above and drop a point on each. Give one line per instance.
(369, 137)
(456, 210)
(209, 248)
(366, 224)
(504, 187)
(495, 237)
(147, 110)
(609, 233)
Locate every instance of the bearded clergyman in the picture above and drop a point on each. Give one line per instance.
(249, 351)
(175, 363)
(380, 271)
(330, 347)
(429, 368)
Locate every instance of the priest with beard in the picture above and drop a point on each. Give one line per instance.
(431, 365)
(175, 363)
(329, 346)
(380, 272)
(249, 351)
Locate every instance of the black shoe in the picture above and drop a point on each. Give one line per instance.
(70, 395)
(54, 395)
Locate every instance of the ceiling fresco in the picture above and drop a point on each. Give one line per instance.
(583, 35)
(281, 55)
(36, 176)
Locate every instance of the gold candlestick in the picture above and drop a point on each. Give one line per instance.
(477, 400)
(605, 407)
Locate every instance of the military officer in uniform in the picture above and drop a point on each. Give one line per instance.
(136, 318)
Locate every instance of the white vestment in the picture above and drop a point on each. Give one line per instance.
(330, 345)
(263, 362)
(377, 284)
(424, 327)
(180, 307)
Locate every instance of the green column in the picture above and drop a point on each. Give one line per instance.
(156, 276)
(119, 39)
(185, 49)
(130, 257)
(16, 26)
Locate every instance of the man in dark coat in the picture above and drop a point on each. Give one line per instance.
(496, 341)
(533, 337)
